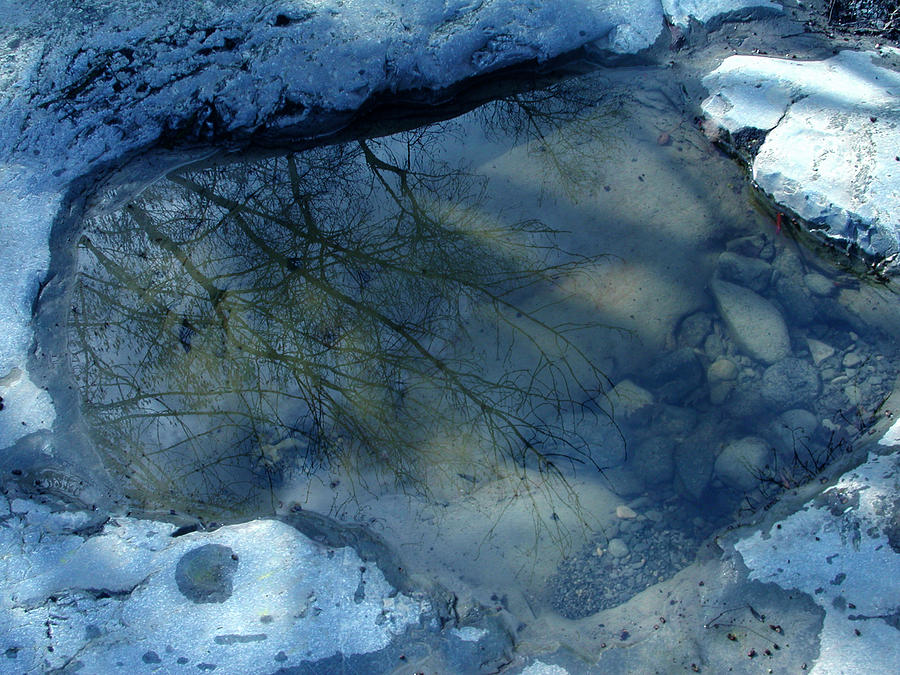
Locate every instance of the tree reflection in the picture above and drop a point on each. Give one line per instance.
(319, 310)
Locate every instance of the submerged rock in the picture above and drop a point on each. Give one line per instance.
(755, 324)
(790, 382)
(744, 271)
(742, 463)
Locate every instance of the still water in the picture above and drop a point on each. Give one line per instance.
(544, 349)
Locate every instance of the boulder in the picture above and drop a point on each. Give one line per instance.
(675, 375)
(754, 323)
(652, 460)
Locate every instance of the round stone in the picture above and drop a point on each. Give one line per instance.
(617, 548)
(204, 574)
(742, 463)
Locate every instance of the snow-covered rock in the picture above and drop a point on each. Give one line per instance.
(127, 596)
(830, 153)
(843, 550)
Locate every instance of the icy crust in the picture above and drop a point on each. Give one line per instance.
(843, 550)
(830, 151)
(113, 600)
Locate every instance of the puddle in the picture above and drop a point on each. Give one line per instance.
(544, 349)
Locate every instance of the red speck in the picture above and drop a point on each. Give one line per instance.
(778, 218)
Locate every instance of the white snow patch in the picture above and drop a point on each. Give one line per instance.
(838, 554)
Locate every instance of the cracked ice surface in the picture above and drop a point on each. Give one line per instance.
(110, 600)
(843, 550)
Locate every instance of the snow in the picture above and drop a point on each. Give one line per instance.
(837, 551)
(108, 600)
(830, 152)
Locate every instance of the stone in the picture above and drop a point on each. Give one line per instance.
(721, 369)
(829, 154)
(789, 382)
(742, 463)
(851, 359)
(719, 391)
(795, 431)
(624, 512)
(819, 350)
(617, 548)
(652, 461)
(744, 271)
(752, 246)
(205, 574)
(694, 461)
(819, 285)
(753, 322)
(798, 304)
(675, 375)
(693, 329)
(627, 398)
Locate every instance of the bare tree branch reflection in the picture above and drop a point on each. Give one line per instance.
(327, 309)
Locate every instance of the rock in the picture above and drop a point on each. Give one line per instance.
(624, 512)
(205, 574)
(652, 460)
(741, 464)
(744, 271)
(792, 432)
(799, 305)
(693, 329)
(719, 391)
(819, 350)
(721, 369)
(752, 246)
(675, 375)
(830, 153)
(819, 285)
(790, 382)
(617, 548)
(694, 463)
(852, 359)
(753, 322)
(627, 398)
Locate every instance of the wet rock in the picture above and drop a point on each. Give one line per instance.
(675, 375)
(852, 359)
(753, 322)
(627, 398)
(746, 404)
(694, 468)
(652, 460)
(721, 369)
(819, 350)
(819, 285)
(693, 329)
(789, 382)
(625, 512)
(741, 464)
(205, 574)
(744, 271)
(794, 431)
(618, 548)
(830, 153)
(752, 246)
(795, 299)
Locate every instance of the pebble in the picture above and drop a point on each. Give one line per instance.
(625, 512)
(852, 359)
(721, 369)
(819, 285)
(819, 350)
(618, 548)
